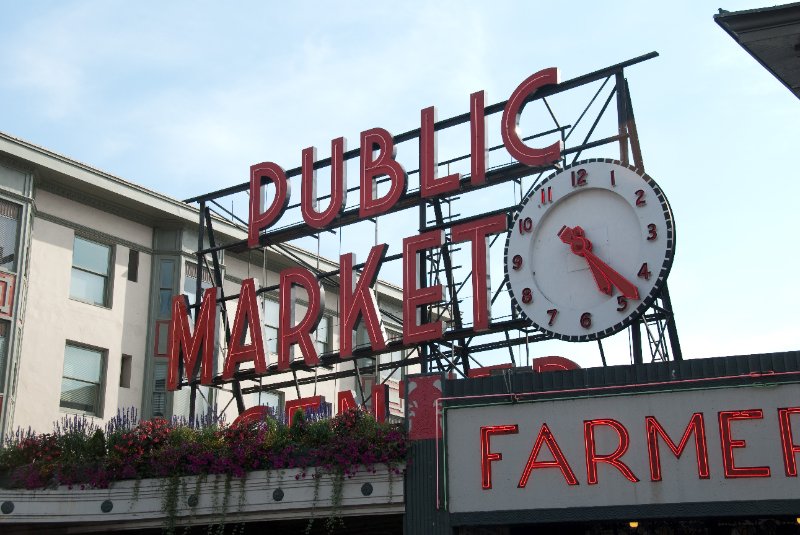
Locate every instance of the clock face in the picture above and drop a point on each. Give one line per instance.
(589, 250)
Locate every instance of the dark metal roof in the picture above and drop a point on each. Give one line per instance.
(772, 36)
(693, 373)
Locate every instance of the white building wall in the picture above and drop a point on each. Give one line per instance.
(53, 318)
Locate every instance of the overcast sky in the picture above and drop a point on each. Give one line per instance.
(182, 97)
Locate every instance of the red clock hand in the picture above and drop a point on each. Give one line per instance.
(603, 274)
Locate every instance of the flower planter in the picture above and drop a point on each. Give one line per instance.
(261, 496)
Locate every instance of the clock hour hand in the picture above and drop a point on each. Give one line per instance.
(603, 274)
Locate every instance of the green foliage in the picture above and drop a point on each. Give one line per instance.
(96, 446)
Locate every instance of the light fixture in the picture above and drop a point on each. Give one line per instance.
(634, 524)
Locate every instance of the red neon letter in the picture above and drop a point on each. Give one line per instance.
(728, 443)
(696, 426)
(414, 297)
(308, 189)
(510, 122)
(359, 304)
(345, 401)
(247, 317)
(302, 404)
(488, 456)
(300, 334)
(383, 164)
(559, 461)
(477, 137)
(478, 233)
(592, 458)
(197, 349)
(259, 217)
(790, 449)
(429, 185)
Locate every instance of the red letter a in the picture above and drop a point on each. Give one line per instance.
(247, 316)
(559, 461)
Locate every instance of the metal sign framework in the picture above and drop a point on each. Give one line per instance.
(456, 351)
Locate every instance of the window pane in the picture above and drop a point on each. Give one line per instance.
(190, 288)
(133, 265)
(164, 303)
(160, 390)
(83, 364)
(82, 379)
(166, 274)
(88, 287)
(3, 351)
(268, 399)
(394, 356)
(271, 333)
(271, 312)
(79, 395)
(321, 336)
(162, 335)
(9, 225)
(91, 256)
(181, 401)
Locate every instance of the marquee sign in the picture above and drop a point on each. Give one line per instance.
(192, 349)
(685, 446)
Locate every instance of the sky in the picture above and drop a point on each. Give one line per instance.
(182, 97)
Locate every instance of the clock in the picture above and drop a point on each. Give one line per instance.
(589, 250)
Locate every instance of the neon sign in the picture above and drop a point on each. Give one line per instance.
(629, 449)
(190, 352)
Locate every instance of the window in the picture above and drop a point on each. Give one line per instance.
(4, 332)
(82, 382)
(322, 336)
(91, 264)
(272, 399)
(392, 373)
(190, 283)
(9, 233)
(166, 276)
(361, 341)
(271, 325)
(181, 401)
(125, 371)
(160, 390)
(133, 265)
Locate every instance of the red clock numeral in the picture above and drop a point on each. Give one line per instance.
(640, 198)
(586, 320)
(622, 302)
(547, 195)
(516, 262)
(613, 180)
(644, 273)
(525, 225)
(553, 313)
(651, 232)
(579, 178)
(527, 296)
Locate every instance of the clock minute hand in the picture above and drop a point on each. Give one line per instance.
(603, 274)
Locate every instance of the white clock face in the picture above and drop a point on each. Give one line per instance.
(590, 250)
